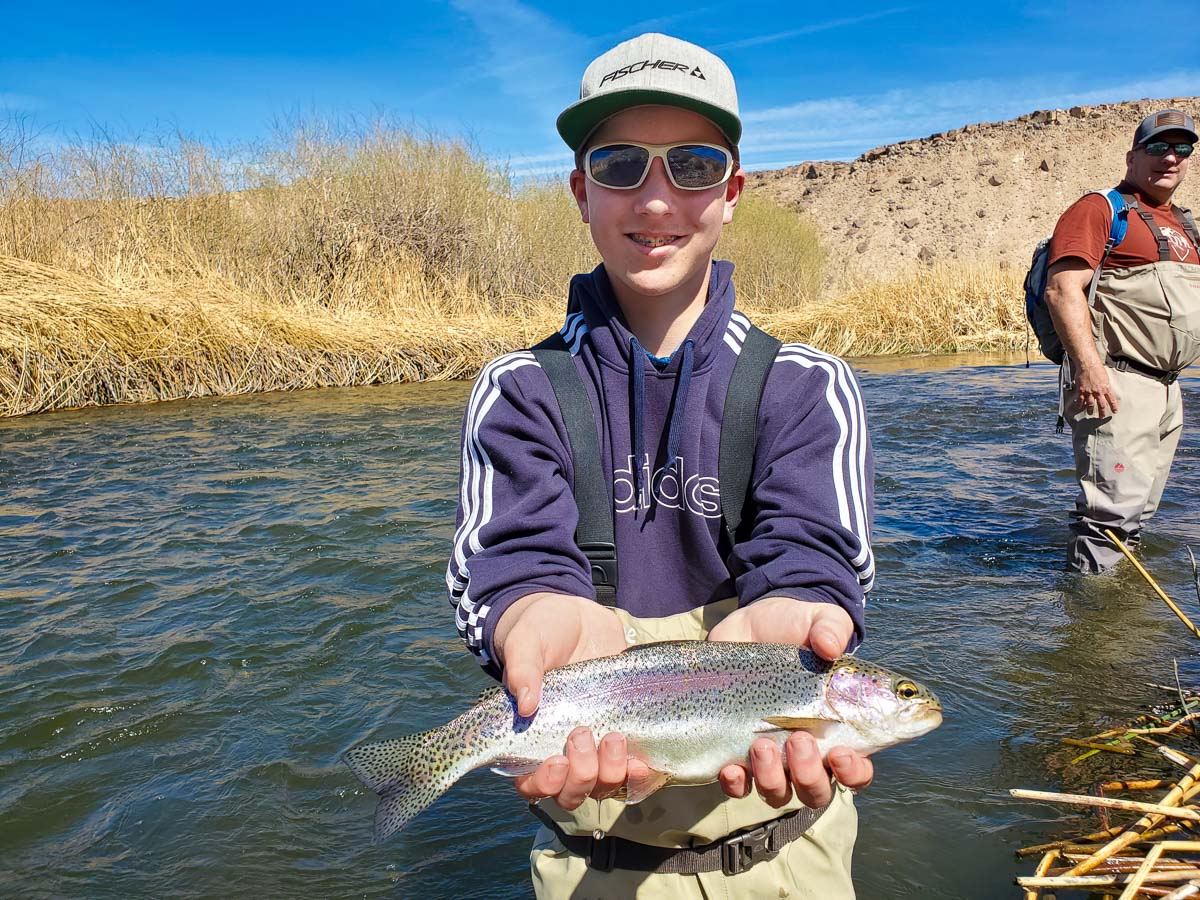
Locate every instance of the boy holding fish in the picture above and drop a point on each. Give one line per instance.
(653, 337)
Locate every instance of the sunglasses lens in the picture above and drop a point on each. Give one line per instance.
(1162, 148)
(696, 166)
(618, 165)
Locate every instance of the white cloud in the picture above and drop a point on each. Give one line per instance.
(530, 55)
(809, 29)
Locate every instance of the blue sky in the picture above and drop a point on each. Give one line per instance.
(815, 81)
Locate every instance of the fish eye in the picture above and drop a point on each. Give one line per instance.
(906, 690)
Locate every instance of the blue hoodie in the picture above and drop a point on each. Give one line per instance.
(811, 487)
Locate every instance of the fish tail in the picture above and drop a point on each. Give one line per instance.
(407, 773)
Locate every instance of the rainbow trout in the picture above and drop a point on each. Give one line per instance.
(686, 708)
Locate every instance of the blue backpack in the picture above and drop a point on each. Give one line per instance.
(1036, 311)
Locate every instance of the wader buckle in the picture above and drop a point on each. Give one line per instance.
(742, 851)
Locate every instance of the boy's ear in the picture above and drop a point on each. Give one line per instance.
(733, 191)
(579, 190)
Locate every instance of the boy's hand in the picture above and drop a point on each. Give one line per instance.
(826, 629)
(542, 632)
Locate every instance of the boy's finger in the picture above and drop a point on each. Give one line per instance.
(769, 773)
(613, 765)
(523, 678)
(807, 771)
(735, 781)
(851, 769)
(582, 769)
(830, 632)
(545, 781)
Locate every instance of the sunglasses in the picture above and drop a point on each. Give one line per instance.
(690, 167)
(1162, 148)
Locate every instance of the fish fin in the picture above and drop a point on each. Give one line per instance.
(795, 723)
(512, 766)
(405, 774)
(639, 788)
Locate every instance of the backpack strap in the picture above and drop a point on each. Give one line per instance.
(1119, 205)
(739, 425)
(594, 533)
(1164, 246)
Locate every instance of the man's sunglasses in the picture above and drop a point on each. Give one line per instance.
(1162, 148)
(690, 167)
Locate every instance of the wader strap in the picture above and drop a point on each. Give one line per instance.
(594, 534)
(731, 855)
(1124, 364)
(1189, 225)
(1164, 245)
(739, 425)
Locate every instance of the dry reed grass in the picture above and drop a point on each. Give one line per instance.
(354, 256)
(942, 310)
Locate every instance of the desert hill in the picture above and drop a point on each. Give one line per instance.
(983, 194)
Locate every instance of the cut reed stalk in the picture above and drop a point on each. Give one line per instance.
(1146, 575)
(1174, 812)
(1134, 833)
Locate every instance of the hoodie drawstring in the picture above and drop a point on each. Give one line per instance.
(637, 374)
(679, 404)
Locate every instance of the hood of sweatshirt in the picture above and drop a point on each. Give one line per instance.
(592, 294)
(618, 348)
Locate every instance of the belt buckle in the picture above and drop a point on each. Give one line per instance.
(742, 851)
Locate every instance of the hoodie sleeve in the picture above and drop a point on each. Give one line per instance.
(812, 489)
(516, 521)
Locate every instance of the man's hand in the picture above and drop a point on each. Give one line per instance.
(826, 629)
(542, 632)
(1067, 283)
(1094, 390)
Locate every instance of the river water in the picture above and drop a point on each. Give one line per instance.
(202, 604)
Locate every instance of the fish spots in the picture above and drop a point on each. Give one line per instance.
(520, 723)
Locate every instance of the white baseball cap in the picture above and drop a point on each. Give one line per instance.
(652, 69)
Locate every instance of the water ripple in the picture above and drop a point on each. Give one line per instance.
(205, 603)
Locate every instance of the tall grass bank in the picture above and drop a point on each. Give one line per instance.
(132, 273)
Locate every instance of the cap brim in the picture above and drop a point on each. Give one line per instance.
(580, 119)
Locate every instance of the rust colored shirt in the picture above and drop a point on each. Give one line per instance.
(1083, 230)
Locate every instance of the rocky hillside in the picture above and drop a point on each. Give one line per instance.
(982, 194)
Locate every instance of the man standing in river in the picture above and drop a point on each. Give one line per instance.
(619, 425)
(1125, 353)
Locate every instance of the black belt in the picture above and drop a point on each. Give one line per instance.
(1124, 364)
(731, 855)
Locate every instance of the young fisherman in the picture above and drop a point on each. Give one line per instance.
(653, 334)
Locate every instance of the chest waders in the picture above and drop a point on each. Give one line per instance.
(1145, 319)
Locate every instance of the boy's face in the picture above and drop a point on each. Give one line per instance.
(656, 238)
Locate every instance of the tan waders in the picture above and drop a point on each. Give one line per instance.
(1146, 323)
(814, 865)
(1122, 463)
